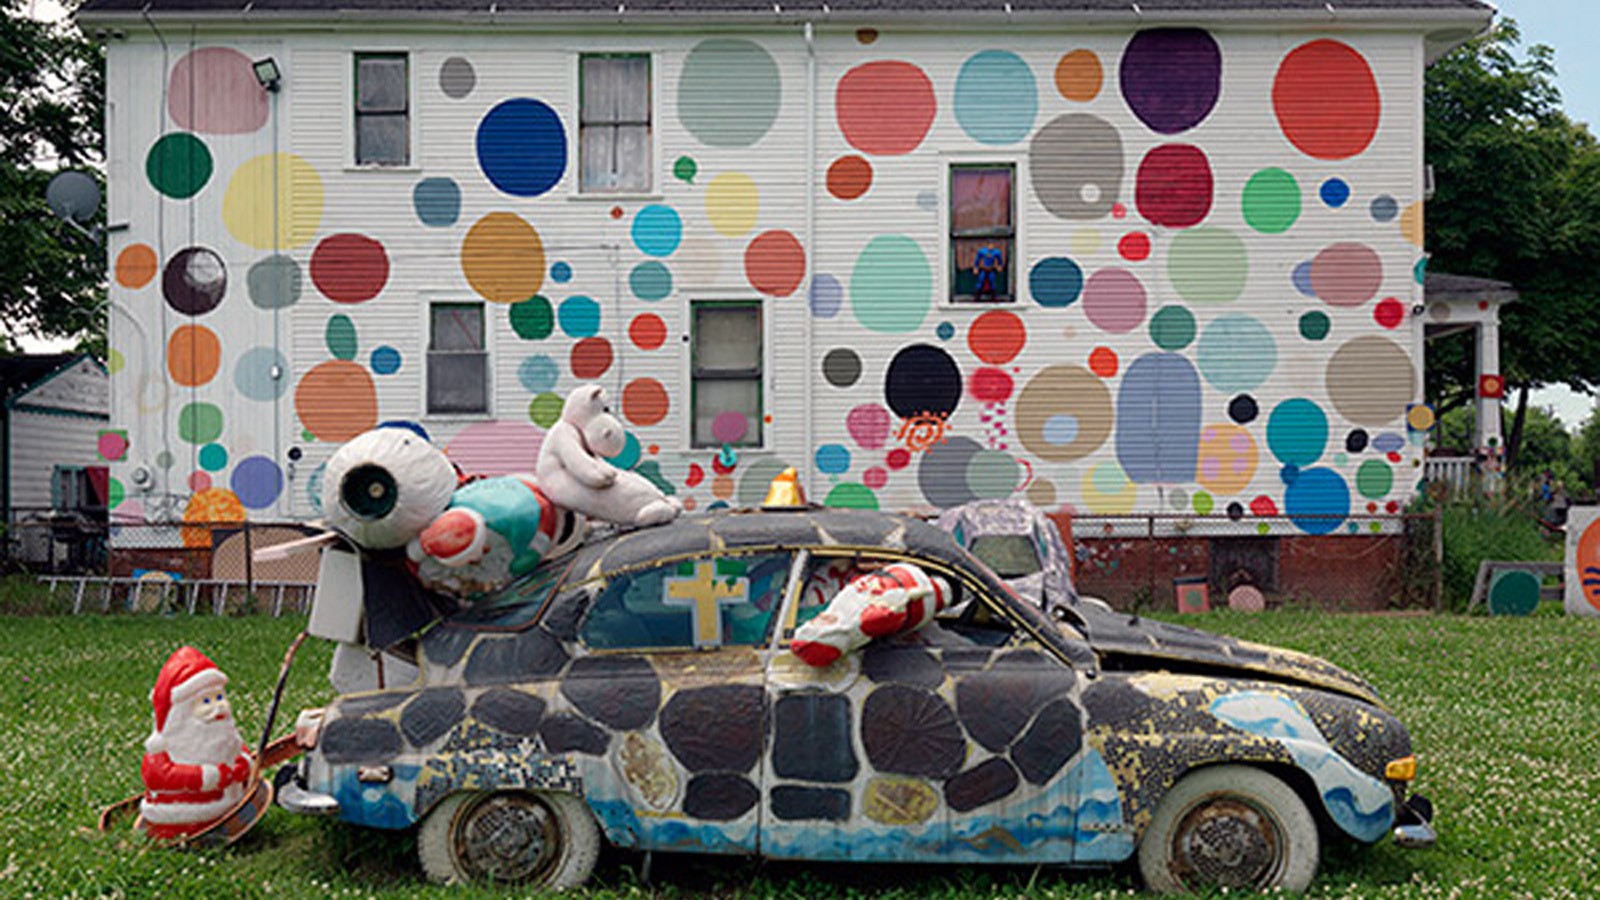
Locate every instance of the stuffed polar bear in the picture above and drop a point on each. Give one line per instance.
(572, 470)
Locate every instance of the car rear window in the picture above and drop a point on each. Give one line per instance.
(1009, 555)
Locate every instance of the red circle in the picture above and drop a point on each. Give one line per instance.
(349, 268)
(885, 107)
(644, 402)
(695, 476)
(718, 467)
(1393, 457)
(1326, 100)
(1173, 189)
(1134, 246)
(875, 477)
(990, 386)
(1263, 506)
(1391, 507)
(898, 458)
(647, 331)
(775, 263)
(1103, 362)
(1389, 313)
(591, 357)
(997, 336)
(849, 177)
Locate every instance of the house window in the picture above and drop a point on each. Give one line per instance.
(383, 109)
(614, 123)
(725, 371)
(458, 363)
(983, 235)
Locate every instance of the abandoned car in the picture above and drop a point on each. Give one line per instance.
(641, 691)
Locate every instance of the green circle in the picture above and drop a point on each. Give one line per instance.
(1271, 201)
(891, 287)
(200, 423)
(1203, 504)
(1374, 479)
(1314, 325)
(729, 91)
(115, 362)
(1513, 593)
(341, 336)
(685, 168)
(213, 457)
(545, 409)
(1262, 528)
(164, 459)
(1172, 327)
(533, 319)
(992, 474)
(178, 165)
(115, 494)
(850, 495)
(1208, 265)
(307, 436)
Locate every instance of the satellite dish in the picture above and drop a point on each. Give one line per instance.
(74, 197)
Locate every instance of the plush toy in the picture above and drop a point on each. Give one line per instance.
(495, 530)
(573, 472)
(195, 763)
(384, 486)
(894, 599)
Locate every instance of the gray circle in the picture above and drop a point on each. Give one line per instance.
(261, 373)
(457, 78)
(275, 282)
(942, 474)
(1384, 208)
(842, 367)
(1074, 152)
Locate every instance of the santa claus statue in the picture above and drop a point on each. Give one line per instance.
(195, 763)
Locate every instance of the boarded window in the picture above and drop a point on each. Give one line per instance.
(982, 232)
(383, 109)
(614, 123)
(458, 361)
(727, 374)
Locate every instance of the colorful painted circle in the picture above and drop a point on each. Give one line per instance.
(1314, 325)
(868, 425)
(826, 296)
(137, 266)
(1227, 459)
(1208, 265)
(1318, 501)
(193, 355)
(730, 426)
(775, 263)
(561, 273)
(1326, 100)
(1114, 300)
(532, 319)
(849, 495)
(199, 423)
(729, 92)
(273, 202)
(1064, 413)
(1055, 282)
(178, 165)
(942, 472)
(502, 257)
(538, 374)
(213, 457)
(349, 268)
(1371, 380)
(1271, 201)
(990, 385)
(1103, 361)
(645, 402)
(336, 401)
(457, 78)
(437, 202)
(1172, 327)
(590, 358)
(262, 374)
(1384, 208)
(1107, 490)
(1134, 246)
(1236, 353)
(997, 336)
(522, 147)
(545, 409)
(385, 360)
(274, 282)
(833, 459)
(340, 337)
(194, 281)
(1173, 186)
(1346, 274)
(647, 331)
(841, 366)
(1243, 409)
(657, 230)
(650, 281)
(849, 177)
(884, 108)
(1079, 76)
(213, 90)
(996, 98)
(257, 482)
(1389, 313)
(1334, 192)
(922, 381)
(1374, 479)
(1171, 77)
(579, 316)
(733, 204)
(891, 286)
(1297, 432)
(1075, 164)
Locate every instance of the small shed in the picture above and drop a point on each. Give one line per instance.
(54, 421)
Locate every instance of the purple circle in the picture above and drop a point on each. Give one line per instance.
(1302, 279)
(1171, 77)
(827, 295)
(729, 427)
(257, 481)
(1114, 300)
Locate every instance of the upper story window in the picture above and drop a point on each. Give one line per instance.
(383, 109)
(983, 234)
(726, 374)
(458, 360)
(614, 123)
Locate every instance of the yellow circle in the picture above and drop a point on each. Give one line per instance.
(1107, 491)
(1085, 242)
(1411, 223)
(115, 362)
(732, 204)
(1420, 417)
(503, 258)
(249, 210)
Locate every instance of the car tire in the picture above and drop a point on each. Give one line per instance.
(1229, 827)
(534, 839)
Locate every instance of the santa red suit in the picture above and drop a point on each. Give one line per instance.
(195, 763)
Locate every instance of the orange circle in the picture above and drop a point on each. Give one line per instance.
(336, 400)
(644, 402)
(1078, 76)
(997, 337)
(1326, 100)
(210, 506)
(591, 357)
(647, 331)
(503, 258)
(849, 177)
(193, 355)
(654, 449)
(136, 265)
(1103, 362)
(775, 263)
(689, 504)
(722, 486)
(1588, 563)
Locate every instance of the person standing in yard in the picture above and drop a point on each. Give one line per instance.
(195, 764)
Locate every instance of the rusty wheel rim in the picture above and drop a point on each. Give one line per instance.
(507, 837)
(1228, 841)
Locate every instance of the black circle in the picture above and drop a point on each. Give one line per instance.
(842, 367)
(922, 380)
(294, 454)
(369, 492)
(195, 280)
(1236, 511)
(1242, 409)
(1356, 441)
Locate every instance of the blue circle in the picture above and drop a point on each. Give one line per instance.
(945, 331)
(1055, 282)
(538, 374)
(657, 230)
(1335, 192)
(1317, 501)
(1388, 442)
(580, 316)
(253, 374)
(386, 360)
(826, 295)
(629, 456)
(650, 281)
(1384, 208)
(1288, 474)
(1302, 279)
(561, 273)
(213, 457)
(257, 482)
(997, 99)
(1060, 429)
(437, 202)
(1297, 432)
(522, 147)
(833, 459)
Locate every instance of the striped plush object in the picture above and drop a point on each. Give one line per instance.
(891, 600)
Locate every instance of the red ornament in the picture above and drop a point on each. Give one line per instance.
(1491, 387)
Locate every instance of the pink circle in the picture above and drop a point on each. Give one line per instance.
(199, 481)
(898, 458)
(1346, 274)
(729, 427)
(990, 385)
(214, 91)
(1114, 300)
(113, 446)
(496, 448)
(875, 477)
(869, 425)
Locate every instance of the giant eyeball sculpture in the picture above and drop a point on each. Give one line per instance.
(383, 487)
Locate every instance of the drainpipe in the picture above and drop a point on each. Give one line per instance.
(811, 247)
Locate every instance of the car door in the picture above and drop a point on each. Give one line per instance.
(960, 742)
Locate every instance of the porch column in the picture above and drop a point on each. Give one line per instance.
(1488, 409)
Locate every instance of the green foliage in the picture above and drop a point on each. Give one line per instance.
(1477, 527)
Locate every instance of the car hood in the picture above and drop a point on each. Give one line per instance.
(1124, 642)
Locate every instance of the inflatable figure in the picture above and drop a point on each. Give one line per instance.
(384, 486)
(892, 600)
(573, 472)
(195, 764)
(495, 530)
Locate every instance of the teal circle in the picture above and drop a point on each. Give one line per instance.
(657, 230)
(851, 495)
(580, 316)
(945, 331)
(1297, 432)
(997, 98)
(538, 374)
(341, 336)
(729, 92)
(628, 457)
(992, 474)
(213, 457)
(1314, 325)
(1514, 593)
(650, 281)
(532, 319)
(1236, 353)
(1172, 327)
(1208, 265)
(1420, 270)
(1374, 479)
(891, 287)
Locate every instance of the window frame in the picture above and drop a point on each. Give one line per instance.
(485, 337)
(1012, 234)
(353, 121)
(580, 189)
(697, 374)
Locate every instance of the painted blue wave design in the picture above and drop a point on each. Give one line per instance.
(1346, 811)
(377, 805)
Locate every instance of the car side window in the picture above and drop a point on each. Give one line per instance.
(701, 602)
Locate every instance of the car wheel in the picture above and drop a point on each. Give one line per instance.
(546, 840)
(1232, 827)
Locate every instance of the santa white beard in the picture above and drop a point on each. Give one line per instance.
(191, 741)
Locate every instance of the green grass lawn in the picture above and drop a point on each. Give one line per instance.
(1505, 713)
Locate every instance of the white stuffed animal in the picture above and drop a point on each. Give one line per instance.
(572, 470)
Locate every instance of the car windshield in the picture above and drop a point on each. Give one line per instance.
(1009, 555)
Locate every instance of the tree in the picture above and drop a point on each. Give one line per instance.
(1518, 199)
(52, 90)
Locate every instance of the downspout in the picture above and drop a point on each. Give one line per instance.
(811, 246)
(161, 254)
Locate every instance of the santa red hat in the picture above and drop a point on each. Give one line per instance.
(186, 675)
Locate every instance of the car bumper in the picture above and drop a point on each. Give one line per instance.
(1413, 827)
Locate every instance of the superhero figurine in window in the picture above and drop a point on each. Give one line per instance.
(986, 265)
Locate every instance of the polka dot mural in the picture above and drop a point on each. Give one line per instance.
(1158, 419)
(1173, 187)
(1075, 164)
(645, 402)
(1172, 328)
(1297, 432)
(214, 90)
(922, 380)
(195, 281)
(733, 202)
(1171, 77)
(437, 202)
(495, 448)
(136, 266)
(1063, 414)
(340, 337)
(996, 98)
(522, 147)
(502, 258)
(1236, 353)
(1208, 265)
(849, 177)
(647, 331)
(274, 282)
(729, 92)
(891, 287)
(1317, 501)
(349, 268)
(1078, 76)
(273, 202)
(193, 355)
(1114, 300)
(533, 319)
(262, 374)
(1346, 274)
(841, 366)
(199, 423)
(997, 336)
(457, 78)
(538, 374)
(1371, 380)
(775, 263)
(591, 357)
(1107, 490)
(1055, 281)
(1271, 201)
(579, 316)
(1326, 100)
(257, 482)
(336, 401)
(657, 230)
(1227, 459)
(869, 425)
(885, 108)
(178, 165)
(650, 281)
